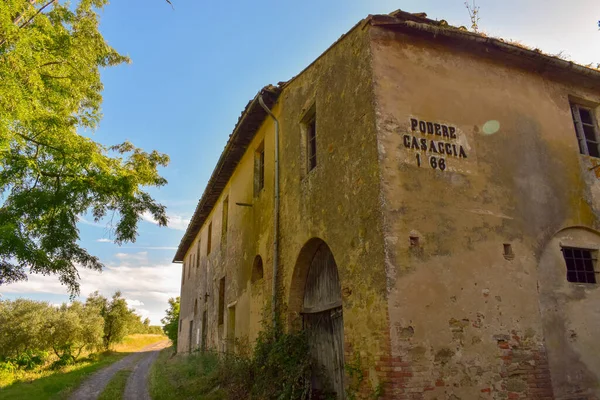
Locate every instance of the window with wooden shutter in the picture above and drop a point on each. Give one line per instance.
(586, 128)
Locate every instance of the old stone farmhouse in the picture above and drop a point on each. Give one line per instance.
(426, 197)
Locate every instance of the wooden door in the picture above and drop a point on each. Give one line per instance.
(324, 323)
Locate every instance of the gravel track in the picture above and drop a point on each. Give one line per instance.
(140, 362)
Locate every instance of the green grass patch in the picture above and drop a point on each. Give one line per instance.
(185, 377)
(116, 387)
(47, 384)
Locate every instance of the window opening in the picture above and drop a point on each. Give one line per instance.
(257, 269)
(580, 265)
(231, 329)
(311, 137)
(198, 255)
(259, 168)
(586, 129)
(221, 300)
(209, 240)
(225, 216)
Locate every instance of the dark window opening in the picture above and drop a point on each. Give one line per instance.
(257, 269)
(209, 239)
(198, 255)
(580, 265)
(225, 216)
(586, 129)
(191, 260)
(221, 300)
(311, 147)
(259, 168)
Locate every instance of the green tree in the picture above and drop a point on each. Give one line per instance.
(51, 54)
(171, 320)
(73, 328)
(22, 326)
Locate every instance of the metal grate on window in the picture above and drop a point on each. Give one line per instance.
(580, 265)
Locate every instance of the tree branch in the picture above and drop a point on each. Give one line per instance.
(29, 139)
(37, 13)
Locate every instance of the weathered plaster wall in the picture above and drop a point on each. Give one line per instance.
(338, 201)
(466, 321)
(232, 255)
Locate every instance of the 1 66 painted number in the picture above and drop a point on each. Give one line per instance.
(434, 162)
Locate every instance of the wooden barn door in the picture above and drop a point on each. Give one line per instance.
(324, 322)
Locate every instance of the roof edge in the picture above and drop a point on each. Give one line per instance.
(242, 134)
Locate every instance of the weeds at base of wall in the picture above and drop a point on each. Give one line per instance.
(278, 367)
(356, 376)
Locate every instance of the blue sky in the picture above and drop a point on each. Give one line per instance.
(194, 69)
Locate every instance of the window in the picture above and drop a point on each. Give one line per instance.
(231, 329)
(311, 142)
(183, 273)
(225, 216)
(580, 264)
(198, 255)
(209, 239)
(257, 269)
(586, 129)
(221, 300)
(259, 168)
(191, 262)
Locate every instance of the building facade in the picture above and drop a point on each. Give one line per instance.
(438, 203)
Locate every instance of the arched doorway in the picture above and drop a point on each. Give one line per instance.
(322, 317)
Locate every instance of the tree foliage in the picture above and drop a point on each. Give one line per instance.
(30, 329)
(171, 320)
(73, 328)
(51, 54)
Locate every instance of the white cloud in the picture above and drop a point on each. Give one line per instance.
(104, 240)
(134, 303)
(142, 283)
(176, 222)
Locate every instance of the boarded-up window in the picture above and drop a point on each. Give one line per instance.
(259, 168)
(209, 239)
(586, 128)
(221, 300)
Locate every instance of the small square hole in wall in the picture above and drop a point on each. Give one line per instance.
(508, 252)
(414, 241)
(581, 264)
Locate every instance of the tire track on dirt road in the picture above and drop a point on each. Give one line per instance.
(91, 388)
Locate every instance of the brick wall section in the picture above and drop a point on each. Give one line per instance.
(521, 372)
(525, 371)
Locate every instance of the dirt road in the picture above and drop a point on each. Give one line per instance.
(137, 385)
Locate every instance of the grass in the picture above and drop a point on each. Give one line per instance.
(43, 383)
(185, 377)
(136, 342)
(116, 387)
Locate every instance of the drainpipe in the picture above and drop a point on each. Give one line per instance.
(275, 212)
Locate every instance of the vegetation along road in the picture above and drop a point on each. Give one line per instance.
(106, 380)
